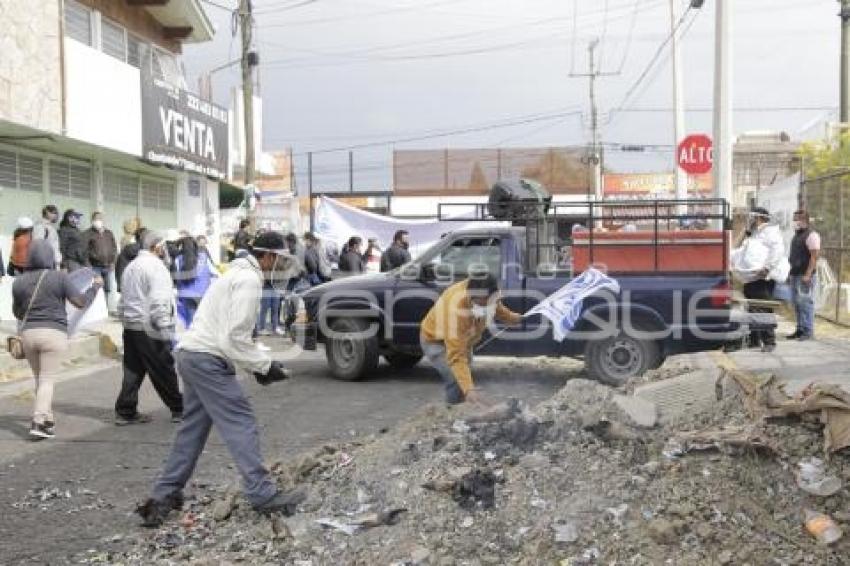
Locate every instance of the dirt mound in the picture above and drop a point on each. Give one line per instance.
(570, 481)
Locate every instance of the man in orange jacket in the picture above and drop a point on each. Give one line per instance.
(453, 327)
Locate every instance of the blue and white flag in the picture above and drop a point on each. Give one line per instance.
(563, 307)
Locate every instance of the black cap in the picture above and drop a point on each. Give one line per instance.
(760, 211)
(270, 242)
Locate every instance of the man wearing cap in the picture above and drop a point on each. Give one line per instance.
(45, 229)
(218, 341)
(71, 242)
(775, 270)
(147, 314)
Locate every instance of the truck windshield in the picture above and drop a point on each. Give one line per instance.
(457, 257)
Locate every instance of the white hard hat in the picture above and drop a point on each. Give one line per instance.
(25, 222)
(172, 235)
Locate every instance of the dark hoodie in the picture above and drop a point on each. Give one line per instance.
(48, 306)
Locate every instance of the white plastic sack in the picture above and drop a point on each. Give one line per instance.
(749, 260)
(82, 319)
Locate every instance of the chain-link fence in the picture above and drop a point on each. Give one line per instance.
(827, 199)
(562, 170)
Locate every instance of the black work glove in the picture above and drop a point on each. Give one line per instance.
(276, 373)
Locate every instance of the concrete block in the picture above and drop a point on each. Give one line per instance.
(640, 411)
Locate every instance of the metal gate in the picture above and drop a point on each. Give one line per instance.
(827, 198)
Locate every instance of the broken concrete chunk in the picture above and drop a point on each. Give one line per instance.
(640, 412)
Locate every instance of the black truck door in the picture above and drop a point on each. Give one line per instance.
(418, 288)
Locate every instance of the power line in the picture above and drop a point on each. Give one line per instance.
(453, 37)
(406, 133)
(630, 37)
(216, 5)
(272, 9)
(447, 133)
(652, 61)
(326, 20)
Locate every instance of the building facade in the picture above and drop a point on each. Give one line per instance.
(95, 115)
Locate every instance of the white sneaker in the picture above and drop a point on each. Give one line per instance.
(280, 331)
(262, 347)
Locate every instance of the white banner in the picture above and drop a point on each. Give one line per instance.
(336, 222)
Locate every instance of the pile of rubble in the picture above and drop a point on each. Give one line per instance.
(586, 477)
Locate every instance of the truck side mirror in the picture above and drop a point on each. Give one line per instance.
(428, 272)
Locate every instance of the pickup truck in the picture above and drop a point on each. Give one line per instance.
(674, 297)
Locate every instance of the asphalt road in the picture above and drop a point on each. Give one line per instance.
(106, 469)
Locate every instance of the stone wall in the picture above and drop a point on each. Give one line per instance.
(30, 73)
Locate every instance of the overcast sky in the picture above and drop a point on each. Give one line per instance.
(337, 73)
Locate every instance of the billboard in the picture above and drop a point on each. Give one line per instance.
(653, 185)
(182, 131)
(446, 172)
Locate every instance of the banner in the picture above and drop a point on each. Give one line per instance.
(336, 222)
(182, 131)
(652, 185)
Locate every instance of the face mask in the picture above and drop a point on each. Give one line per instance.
(479, 311)
(74, 221)
(97, 225)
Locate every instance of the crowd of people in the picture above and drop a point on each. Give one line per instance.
(162, 279)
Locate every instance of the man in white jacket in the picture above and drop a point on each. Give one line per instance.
(775, 270)
(218, 340)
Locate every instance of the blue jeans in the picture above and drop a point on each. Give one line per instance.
(435, 352)
(803, 298)
(104, 272)
(270, 303)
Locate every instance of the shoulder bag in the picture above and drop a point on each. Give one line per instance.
(14, 344)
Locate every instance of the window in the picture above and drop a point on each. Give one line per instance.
(121, 188)
(21, 171)
(136, 50)
(31, 173)
(458, 259)
(158, 194)
(70, 179)
(113, 40)
(8, 170)
(78, 22)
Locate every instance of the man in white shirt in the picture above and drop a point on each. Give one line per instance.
(147, 314)
(218, 340)
(775, 270)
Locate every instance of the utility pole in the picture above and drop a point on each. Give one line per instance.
(845, 62)
(723, 101)
(595, 157)
(678, 102)
(249, 60)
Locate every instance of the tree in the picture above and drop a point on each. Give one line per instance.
(822, 157)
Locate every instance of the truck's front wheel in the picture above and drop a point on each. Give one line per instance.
(350, 351)
(616, 359)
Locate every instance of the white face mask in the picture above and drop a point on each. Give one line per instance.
(488, 312)
(97, 225)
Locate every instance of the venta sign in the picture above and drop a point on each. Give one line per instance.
(182, 131)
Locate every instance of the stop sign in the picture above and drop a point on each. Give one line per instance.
(695, 154)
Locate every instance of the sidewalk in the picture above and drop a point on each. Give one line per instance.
(89, 350)
(825, 360)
